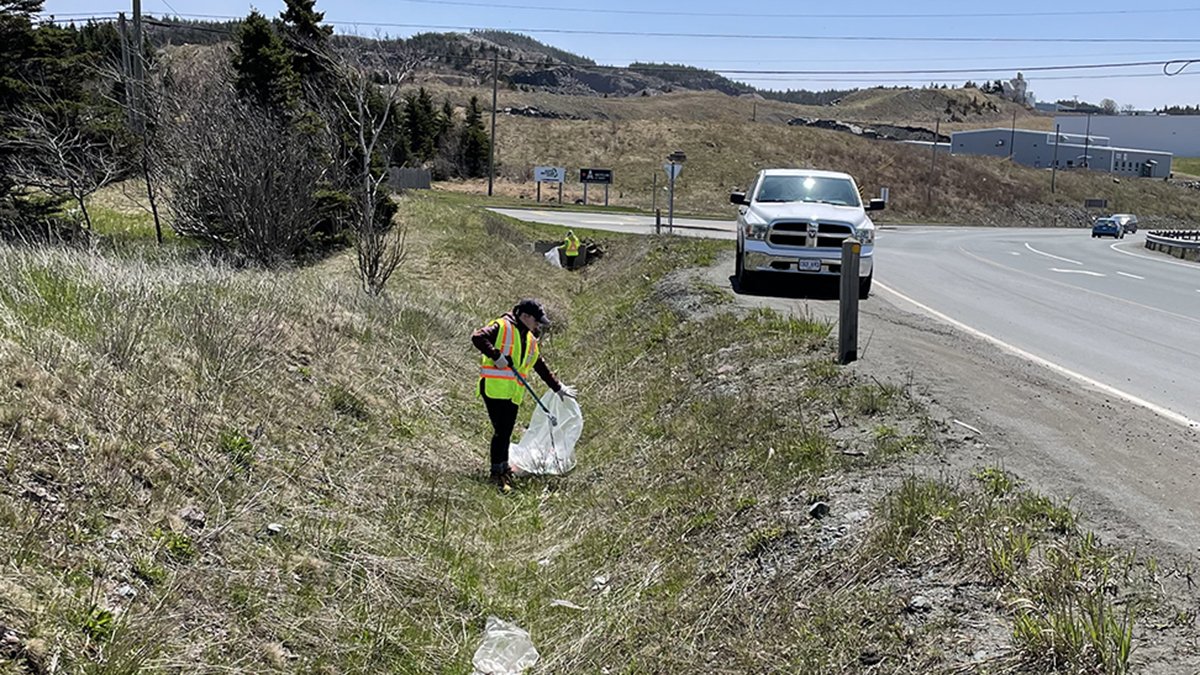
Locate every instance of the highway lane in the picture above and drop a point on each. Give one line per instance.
(1107, 313)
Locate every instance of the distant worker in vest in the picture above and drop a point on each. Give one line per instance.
(571, 248)
(510, 351)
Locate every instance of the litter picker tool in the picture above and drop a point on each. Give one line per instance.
(553, 419)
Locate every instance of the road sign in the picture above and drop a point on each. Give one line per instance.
(1095, 203)
(604, 176)
(679, 157)
(673, 170)
(549, 174)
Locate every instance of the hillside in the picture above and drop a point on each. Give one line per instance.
(210, 469)
(723, 155)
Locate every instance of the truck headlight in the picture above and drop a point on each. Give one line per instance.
(866, 235)
(755, 230)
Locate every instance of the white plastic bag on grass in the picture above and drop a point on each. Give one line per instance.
(505, 650)
(546, 449)
(552, 257)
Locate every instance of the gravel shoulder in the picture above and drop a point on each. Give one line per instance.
(1129, 474)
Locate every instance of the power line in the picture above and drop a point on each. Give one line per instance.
(935, 71)
(740, 36)
(807, 15)
(915, 80)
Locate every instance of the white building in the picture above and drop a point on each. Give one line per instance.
(1176, 134)
(1041, 150)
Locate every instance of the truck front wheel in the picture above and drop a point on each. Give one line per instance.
(864, 286)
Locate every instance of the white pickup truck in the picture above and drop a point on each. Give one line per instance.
(793, 222)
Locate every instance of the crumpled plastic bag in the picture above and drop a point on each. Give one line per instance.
(505, 650)
(546, 449)
(552, 257)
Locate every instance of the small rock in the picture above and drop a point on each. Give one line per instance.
(919, 603)
(193, 516)
(126, 591)
(600, 584)
(818, 510)
(858, 516)
(726, 369)
(567, 604)
(274, 529)
(869, 657)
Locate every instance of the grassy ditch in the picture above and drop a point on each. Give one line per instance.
(208, 469)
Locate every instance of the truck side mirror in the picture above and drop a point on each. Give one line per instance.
(876, 205)
(738, 198)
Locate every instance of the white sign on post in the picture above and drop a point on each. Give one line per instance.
(549, 174)
(673, 170)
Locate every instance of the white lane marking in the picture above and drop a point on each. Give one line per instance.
(1131, 276)
(1051, 255)
(1046, 363)
(1106, 296)
(1155, 258)
(1090, 274)
(1015, 252)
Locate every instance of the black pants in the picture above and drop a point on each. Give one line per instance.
(572, 261)
(503, 414)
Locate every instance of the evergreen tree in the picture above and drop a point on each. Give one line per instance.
(445, 122)
(305, 37)
(475, 143)
(420, 126)
(263, 66)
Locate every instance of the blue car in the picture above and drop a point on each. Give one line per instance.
(1108, 227)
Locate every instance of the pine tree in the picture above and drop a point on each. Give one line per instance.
(475, 143)
(263, 66)
(305, 37)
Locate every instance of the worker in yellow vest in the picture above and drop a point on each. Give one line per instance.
(571, 248)
(510, 344)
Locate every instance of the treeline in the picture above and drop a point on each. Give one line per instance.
(1180, 110)
(272, 149)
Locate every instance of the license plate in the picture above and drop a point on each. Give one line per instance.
(808, 265)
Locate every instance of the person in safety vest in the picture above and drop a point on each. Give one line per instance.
(571, 248)
(510, 344)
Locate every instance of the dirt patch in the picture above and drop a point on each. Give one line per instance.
(1128, 474)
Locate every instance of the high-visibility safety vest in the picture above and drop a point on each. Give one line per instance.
(572, 247)
(501, 383)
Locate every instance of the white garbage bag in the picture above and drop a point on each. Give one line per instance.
(546, 448)
(505, 650)
(552, 257)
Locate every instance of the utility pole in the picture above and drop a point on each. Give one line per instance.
(937, 133)
(1054, 169)
(492, 145)
(138, 53)
(126, 68)
(754, 115)
(1012, 139)
(1087, 139)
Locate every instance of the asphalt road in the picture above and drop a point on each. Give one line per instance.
(1108, 314)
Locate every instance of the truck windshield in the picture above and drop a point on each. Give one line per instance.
(823, 190)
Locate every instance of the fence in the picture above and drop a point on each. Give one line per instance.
(1183, 244)
(408, 179)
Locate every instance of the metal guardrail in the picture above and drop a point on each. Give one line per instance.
(1179, 243)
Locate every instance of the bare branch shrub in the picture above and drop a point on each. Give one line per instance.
(56, 154)
(240, 179)
(364, 113)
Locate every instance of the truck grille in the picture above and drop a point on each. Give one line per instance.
(829, 235)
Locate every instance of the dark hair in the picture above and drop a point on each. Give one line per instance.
(532, 308)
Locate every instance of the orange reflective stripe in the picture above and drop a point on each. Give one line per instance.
(506, 340)
(497, 373)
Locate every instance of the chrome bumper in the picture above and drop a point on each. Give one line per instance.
(759, 256)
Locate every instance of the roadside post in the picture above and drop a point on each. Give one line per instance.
(848, 303)
(673, 167)
(549, 174)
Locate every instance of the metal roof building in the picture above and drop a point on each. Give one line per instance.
(1038, 149)
(1177, 134)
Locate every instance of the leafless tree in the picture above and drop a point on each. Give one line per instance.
(240, 179)
(364, 112)
(56, 154)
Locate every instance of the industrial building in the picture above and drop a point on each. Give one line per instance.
(1176, 134)
(1038, 149)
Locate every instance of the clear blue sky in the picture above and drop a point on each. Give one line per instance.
(1138, 21)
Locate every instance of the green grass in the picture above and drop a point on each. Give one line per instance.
(1188, 165)
(154, 384)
